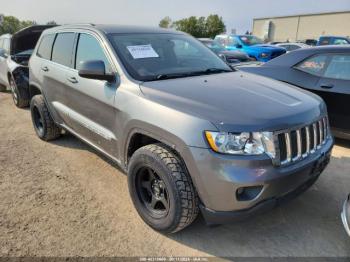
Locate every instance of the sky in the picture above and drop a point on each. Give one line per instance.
(237, 14)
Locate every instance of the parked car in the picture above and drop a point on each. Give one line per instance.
(4, 53)
(345, 215)
(333, 40)
(190, 132)
(324, 71)
(14, 55)
(311, 42)
(231, 57)
(251, 45)
(292, 46)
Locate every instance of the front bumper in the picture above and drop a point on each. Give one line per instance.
(217, 178)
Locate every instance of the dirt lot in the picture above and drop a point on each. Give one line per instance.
(63, 199)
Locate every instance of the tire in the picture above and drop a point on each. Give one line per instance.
(175, 184)
(16, 96)
(44, 126)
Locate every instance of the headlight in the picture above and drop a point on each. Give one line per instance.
(255, 143)
(264, 55)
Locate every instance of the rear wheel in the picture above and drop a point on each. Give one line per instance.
(161, 189)
(44, 126)
(16, 96)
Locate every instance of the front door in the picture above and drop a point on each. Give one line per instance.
(92, 101)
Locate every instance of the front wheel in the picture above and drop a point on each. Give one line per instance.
(161, 189)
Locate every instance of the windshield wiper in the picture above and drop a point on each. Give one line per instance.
(194, 73)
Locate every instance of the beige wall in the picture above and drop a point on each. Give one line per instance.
(303, 27)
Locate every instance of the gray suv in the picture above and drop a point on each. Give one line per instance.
(191, 133)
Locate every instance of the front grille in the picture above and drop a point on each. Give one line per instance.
(296, 144)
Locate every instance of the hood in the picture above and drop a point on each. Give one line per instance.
(237, 101)
(266, 47)
(27, 38)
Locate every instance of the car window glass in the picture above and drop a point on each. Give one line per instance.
(287, 47)
(340, 42)
(339, 67)
(63, 48)
(153, 55)
(325, 41)
(313, 65)
(293, 47)
(1, 43)
(45, 47)
(90, 49)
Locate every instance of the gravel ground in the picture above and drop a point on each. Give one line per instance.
(63, 199)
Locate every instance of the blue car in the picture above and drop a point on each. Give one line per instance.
(251, 45)
(333, 40)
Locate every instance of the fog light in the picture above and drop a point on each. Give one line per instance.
(248, 193)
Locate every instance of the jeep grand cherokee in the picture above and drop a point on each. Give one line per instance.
(191, 133)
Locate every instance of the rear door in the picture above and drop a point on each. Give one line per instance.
(54, 76)
(334, 88)
(92, 101)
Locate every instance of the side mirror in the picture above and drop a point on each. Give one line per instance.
(345, 215)
(239, 46)
(3, 53)
(95, 69)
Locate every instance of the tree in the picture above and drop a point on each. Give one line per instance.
(214, 26)
(198, 27)
(165, 22)
(12, 24)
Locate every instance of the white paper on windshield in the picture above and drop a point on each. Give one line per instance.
(142, 51)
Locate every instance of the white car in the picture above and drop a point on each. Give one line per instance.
(292, 46)
(4, 53)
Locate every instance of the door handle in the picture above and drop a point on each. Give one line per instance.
(72, 80)
(327, 86)
(45, 69)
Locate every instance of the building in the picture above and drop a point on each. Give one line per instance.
(302, 27)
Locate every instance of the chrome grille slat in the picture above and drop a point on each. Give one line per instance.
(320, 125)
(296, 144)
(315, 138)
(307, 140)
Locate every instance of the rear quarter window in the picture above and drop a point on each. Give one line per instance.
(63, 49)
(314, 65)
(45, 46)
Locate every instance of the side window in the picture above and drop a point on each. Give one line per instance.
(90, 49)
(1, 43)
(340, 41)
(339, 67)
(45, 47)
(314, 65)
(325, 41)
(63, 49)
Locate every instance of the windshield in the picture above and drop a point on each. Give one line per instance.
(250, 40)
(149, 57)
